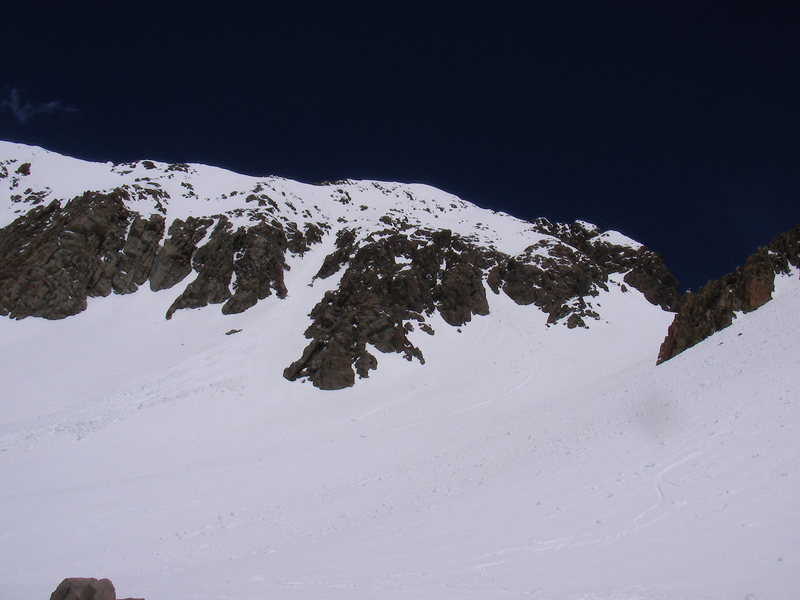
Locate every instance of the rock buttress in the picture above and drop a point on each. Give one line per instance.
(255, 255)
(749, 287)
(388, 283)
(393, 279)
(53, 258)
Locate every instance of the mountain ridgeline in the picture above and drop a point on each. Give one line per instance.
(387, 257)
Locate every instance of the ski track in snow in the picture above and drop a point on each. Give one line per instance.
(658, 482)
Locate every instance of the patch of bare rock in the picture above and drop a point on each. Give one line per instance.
(749, 287)
(86, 588)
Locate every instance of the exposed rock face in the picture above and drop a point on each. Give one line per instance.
(138, 254)
(174, 259)
(649, 274)
(388, 283)
(345, 247)
(214, 265)
(53, 258)
(749, 287)
(84, 588)
(260, 266)
(577, 267)
(254, 255)
(393, 280)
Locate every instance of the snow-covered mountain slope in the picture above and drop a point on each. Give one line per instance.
(174, 460)
(538, 452)
(382, 259)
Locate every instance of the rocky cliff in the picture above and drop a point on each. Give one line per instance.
(392, 280)
(394, 254)
(714, 307)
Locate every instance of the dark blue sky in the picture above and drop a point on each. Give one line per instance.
(675, 123)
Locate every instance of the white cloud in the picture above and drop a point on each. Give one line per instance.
(24, 111)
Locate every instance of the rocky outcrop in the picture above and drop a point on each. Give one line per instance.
(173, 261)
(84, 588)
(213, 262)
(750, 286)
(138, 254)
(260, 266)
(388, 283)
(53, 258)
(560, 277)
(649, 274)
(300, 242)
(393, 280)
(551, 281)
(254, 255)
(345, 247)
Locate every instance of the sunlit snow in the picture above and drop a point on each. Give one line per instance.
(521, 461)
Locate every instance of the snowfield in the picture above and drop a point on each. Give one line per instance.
(520, 461)
(516, 463)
